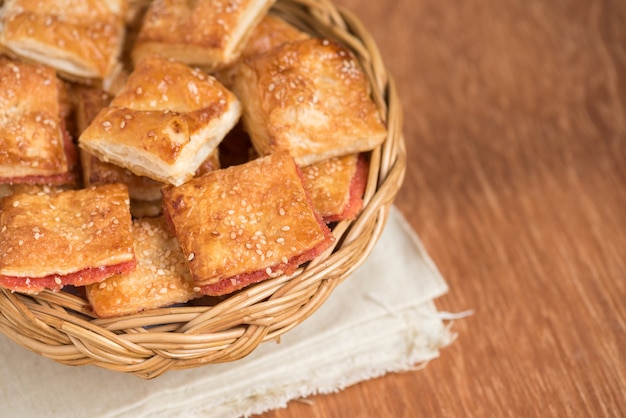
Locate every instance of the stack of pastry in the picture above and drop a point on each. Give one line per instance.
(226, 148)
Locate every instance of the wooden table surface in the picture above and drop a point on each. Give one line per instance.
(515, 125)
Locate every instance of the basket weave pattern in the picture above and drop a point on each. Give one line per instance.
(62, 327)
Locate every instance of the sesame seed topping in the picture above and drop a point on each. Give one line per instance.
(57, 280)
(286, 228)
(191, 256)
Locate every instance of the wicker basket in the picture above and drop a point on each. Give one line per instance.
(60, 325)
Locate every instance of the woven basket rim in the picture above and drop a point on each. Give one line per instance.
(60, 325)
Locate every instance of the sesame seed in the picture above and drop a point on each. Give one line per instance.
(191, 256)
(102, 285)
(284, 260)
(106, 124)
(286, 228)
(16, 203)
(280, 240)
(268, 271)
(281, 211)
(57, 280)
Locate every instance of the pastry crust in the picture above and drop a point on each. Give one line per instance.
(248, 220)
(81, 40)
(161, 278)
(34, 147)
(205, 33)
(55, 235)
(165, 123)
(309, 97)
(336, 186)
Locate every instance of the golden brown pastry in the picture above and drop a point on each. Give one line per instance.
(74, 237)
(34, 147)
(335, 186)
(245, 223)
(205, 33)
(81, 40)
(165, 123)
(144, 192)
(162, 276)
(310, 97)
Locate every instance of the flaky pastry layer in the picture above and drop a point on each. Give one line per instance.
(244, 219)
(66, 232)
(310, 97)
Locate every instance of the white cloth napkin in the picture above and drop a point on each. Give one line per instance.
(380, 320)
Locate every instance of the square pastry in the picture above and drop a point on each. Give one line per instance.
(245, 223)
(35, 148)
(336, 186)
(206, 33)
(162, 276)
(74, 237)
(144, 192)
(310, 97)
(165, 123)
(82, 40)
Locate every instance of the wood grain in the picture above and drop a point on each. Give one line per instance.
(515, 123)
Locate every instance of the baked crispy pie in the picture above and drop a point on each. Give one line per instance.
(74, 237)
(310, 97)
(165, 123)
(205, 33)
(144, 192)
(162, 276)
(82, 40)
(336, 186)
(245, 223)
(34, 145)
